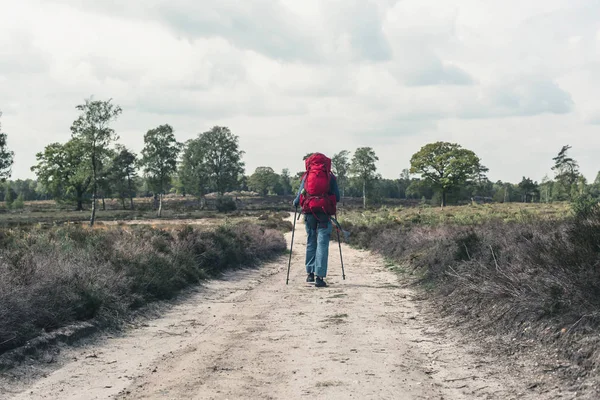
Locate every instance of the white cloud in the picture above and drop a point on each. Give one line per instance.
(594, 118)
(290, 76)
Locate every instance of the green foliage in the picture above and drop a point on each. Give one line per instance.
(340, 163)
(159, 157)
(446, 166)
(8, 195)
(92, 127)
(585, 207)
(19, 203)
(529, 190)
(263, 180)
(61, 172)
(122, 174)
(363, 167)
(26, 188)
(93, 132)
(296, 182)
(595, 187)
(6, 156)
(212, 163)
(285, 181)
(419, 188)
(566, 171)
(193, 174)
(363, 163)
(566, 167)
(223, 161)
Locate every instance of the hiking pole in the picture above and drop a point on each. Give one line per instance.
(341, 258)
(292, 246)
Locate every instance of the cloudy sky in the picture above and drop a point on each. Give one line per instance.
(512, 80)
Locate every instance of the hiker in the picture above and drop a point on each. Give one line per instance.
(318, 196)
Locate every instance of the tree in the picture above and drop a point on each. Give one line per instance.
(529, 190)
(595, 187)
(104, 182)
(545, 189)
(404, 182)
(340, 164)
(286, 181)
(19, 203)
(61, 173)
(92, 129)
(25, 188)
(565, 165)
(481, 185)
(263, 180)
(419, 189)
(222, 159)
(193, 174)
(363, 167)
(243, 183)
(159, 159)
(566, 170)
(6, 156)
(387, 189)
(446, 166)
(9, 196)
(296, 182)
(122, 174)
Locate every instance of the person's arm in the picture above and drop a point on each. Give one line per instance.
(297, 199)
(333, 187)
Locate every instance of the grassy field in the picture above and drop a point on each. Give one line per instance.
(176, 211)
(456, 215)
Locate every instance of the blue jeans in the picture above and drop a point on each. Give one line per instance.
(317, 244)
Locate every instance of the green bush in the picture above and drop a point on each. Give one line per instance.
(19, 203)
(226, 204)
(585, 207)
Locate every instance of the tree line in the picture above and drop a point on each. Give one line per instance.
(93, 166)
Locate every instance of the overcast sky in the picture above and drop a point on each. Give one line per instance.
(512, 80)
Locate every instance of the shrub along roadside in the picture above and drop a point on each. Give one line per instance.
(49, 279)
(537, 281)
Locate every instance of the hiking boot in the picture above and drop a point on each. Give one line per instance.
(320, 282)
(310, 278)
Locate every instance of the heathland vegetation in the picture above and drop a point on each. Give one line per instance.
(530, 273)
(520, 259)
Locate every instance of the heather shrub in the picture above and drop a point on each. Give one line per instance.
(52, 277)
(527, 277)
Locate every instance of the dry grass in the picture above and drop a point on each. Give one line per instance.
(457, 215)
(175, 208)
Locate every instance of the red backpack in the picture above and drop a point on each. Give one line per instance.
(316, 197)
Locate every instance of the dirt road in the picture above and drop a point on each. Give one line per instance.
(251, 337)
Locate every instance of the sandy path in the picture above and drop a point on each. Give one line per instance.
(251, 337)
